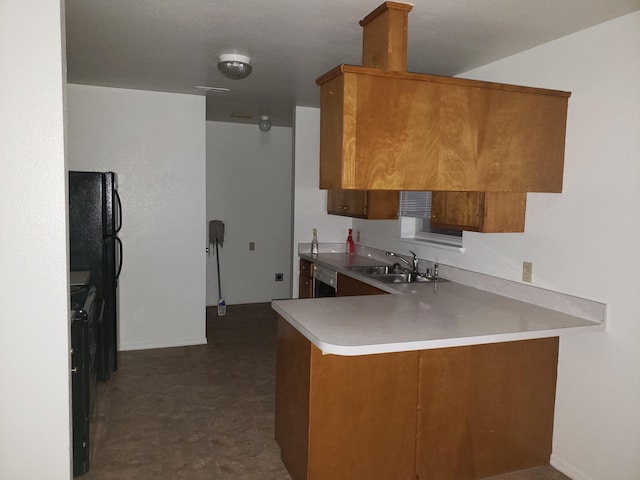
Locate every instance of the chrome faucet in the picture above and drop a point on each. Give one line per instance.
(413, 264)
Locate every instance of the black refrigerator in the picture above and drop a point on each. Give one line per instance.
(95, 218)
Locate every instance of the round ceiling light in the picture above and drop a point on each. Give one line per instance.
(233, 66)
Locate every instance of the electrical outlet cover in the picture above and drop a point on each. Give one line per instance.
(527, 271)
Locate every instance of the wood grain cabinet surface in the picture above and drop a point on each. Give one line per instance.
(459, 413)
(382, 128)
(371, 205)
(349, 287)
(344, 418)
(489, 212)
(305, 279)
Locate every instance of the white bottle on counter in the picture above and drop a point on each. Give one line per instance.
(314, 244)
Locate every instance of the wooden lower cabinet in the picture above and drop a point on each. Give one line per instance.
(305, 279)
(452, 413)
(488, 212)
(485, 410)
(349, 287)
(344, 417)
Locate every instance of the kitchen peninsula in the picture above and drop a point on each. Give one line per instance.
(435, 381)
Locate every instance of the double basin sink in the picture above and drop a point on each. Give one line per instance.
(392, 274)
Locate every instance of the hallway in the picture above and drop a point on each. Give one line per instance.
(203, 412)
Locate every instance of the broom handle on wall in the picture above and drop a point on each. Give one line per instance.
(218, 267)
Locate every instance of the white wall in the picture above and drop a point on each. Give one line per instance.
(155, 142)
(35, 437)
(249, 188)
(583, 241)
(310, 203)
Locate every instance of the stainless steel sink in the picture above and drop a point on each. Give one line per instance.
(392, 274)
(401, 278)
(377, 270)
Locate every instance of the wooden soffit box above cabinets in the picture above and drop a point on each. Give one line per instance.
(383, 128)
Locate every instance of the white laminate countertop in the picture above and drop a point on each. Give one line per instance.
(424, 316)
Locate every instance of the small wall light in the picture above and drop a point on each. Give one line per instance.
(265, 123)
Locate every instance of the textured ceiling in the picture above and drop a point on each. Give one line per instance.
(173, 45)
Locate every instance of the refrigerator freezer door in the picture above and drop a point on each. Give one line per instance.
(92, 247)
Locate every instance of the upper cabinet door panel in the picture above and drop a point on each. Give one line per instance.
(456, 210)
(373, 205)
(392, 146)
(488, 212)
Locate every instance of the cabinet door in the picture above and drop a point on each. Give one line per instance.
(343, 417)
(375, 204)
(334, 202)
(355, 203)
(484, 410)
(305, 287)
(504, 212)
(456, 210)
(293, 370)
(383, 204)
(489, 212)
(306, 268)
(305, 279)
(349, 203)
(362, 416)
(348, 287)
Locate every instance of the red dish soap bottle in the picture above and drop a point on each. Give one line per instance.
(350, 247)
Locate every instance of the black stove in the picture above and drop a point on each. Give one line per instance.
(86, 321)
(82, 299)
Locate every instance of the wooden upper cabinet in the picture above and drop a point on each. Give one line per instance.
(487, 212)
(347, 202)
(400, 131)
(382, 128)
(362, 204)
(456, 210)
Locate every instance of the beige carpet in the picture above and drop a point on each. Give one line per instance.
(203, 412)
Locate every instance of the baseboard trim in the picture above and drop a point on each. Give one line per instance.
(568, 469)
(152, 345)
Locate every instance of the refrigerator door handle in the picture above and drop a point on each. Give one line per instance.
(119, 242)
(119, 215)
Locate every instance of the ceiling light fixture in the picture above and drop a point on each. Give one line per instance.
(233, 66)
(265, 123)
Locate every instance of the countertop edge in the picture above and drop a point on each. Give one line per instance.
(373, 349)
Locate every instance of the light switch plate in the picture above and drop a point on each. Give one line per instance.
(252, 245)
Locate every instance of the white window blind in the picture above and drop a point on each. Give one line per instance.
(415, 204)
(418, 206)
